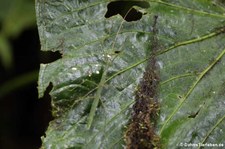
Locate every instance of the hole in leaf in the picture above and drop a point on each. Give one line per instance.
(124, 8)
(46, 108)
(117, 52)
(49, 56)
(193, 115)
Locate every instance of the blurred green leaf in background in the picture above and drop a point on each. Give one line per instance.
(23, 117)
(15, 16)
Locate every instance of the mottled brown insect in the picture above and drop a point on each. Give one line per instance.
(141, 131)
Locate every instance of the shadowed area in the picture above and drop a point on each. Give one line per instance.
(124, 8)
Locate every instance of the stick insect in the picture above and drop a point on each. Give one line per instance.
(104, 79)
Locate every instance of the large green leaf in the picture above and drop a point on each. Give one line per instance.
(93, 84)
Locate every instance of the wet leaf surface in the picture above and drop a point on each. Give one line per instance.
(93, 85)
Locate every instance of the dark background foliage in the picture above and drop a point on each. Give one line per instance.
(23, 117)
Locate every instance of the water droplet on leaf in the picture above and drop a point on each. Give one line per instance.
(74, 68)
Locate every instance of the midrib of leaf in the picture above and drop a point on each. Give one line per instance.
(201, 75)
